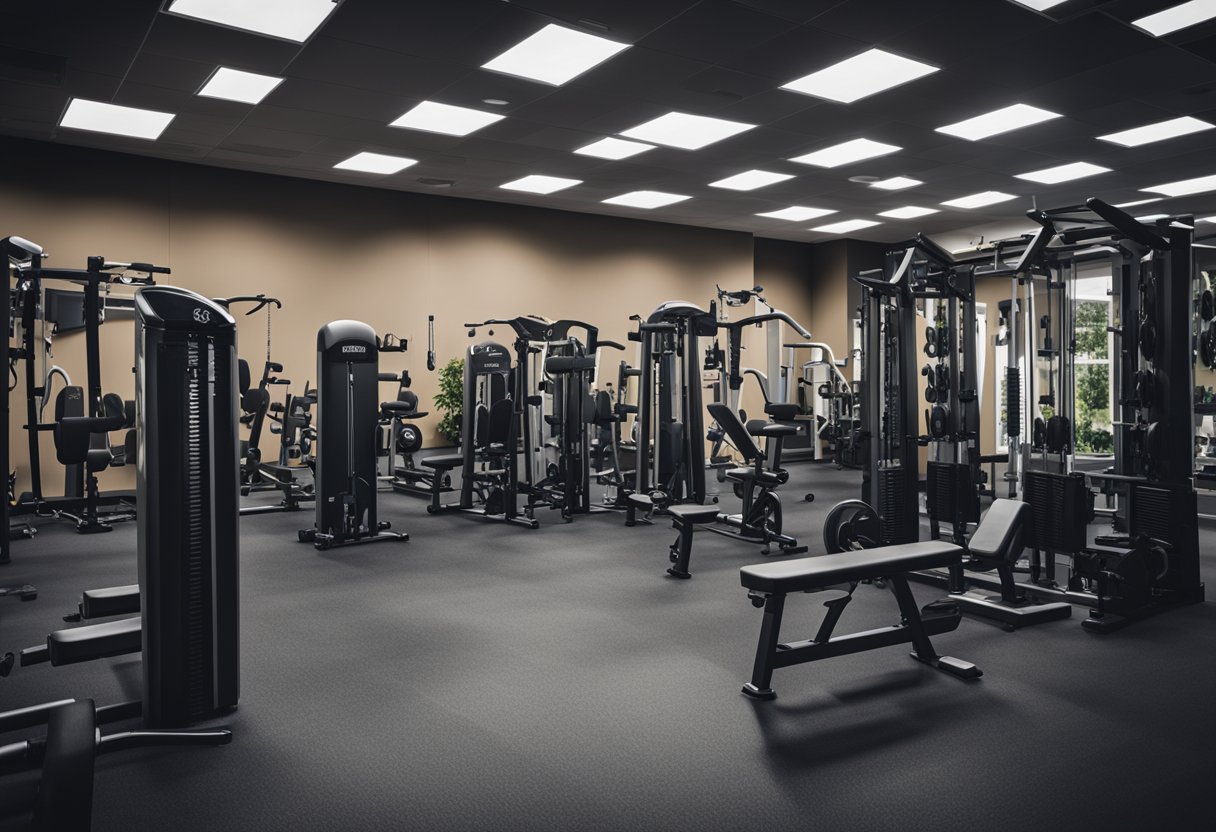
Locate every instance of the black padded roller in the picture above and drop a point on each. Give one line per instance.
(65, 795)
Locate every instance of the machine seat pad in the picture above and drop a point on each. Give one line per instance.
(782, 411)
(744, 475)
(399, 408)
(999, 531)
(443, 461)
(809, 574)
(694, 513)
(774, 429)
(95, 641)
(111, 600)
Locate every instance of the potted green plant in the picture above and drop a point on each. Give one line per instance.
(450, 399)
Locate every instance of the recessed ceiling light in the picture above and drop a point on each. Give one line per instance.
(614, 149)
(495, 102)
(646, 199)
(238, 85)
(846, 153)
(896, 183)
(749, 180)
(287, 19)
(446, 118)
(1013, 117)
(1157, 132)
(1136, 202)
(1177, 17)
(537, 184)
(860, 76)
(366, 162)
(686, 131)
(798, 213)
(554, 55)
(1038, 5)
(908, 212)
(846, 226)
(100, 117)
(1185, 187)
(1208, 219)
(1063, 173)
(1151, 217)
(979, 200)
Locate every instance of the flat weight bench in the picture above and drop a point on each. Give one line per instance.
(441, 464)
(767, 584)
(84, 644)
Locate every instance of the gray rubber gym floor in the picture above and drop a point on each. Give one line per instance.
(490, 677)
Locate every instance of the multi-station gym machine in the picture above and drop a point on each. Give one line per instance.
(1151, 561)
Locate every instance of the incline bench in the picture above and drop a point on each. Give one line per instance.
(767, 584)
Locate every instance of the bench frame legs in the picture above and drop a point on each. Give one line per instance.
(915, 627)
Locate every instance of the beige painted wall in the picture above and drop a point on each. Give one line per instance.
(333, 251)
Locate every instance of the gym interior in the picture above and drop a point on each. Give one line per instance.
(584, 415)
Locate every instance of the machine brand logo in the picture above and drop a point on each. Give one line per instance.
(203, 316)
(353, 348)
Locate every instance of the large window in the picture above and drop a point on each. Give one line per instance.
(1093, 401)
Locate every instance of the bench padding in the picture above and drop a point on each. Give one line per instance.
(443, 461)
(1000, 531)
(807, 574)
(694, 513)
(96, 641)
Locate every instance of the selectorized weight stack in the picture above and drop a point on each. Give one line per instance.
(348, 407)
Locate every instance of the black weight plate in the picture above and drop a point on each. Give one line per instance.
(1148, 340)
(1207, 305)
(1039, 432)
(931, 394)
(1059, 431)
(938, 417)
(1207, 346)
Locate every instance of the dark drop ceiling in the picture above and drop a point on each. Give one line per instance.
(372, 60)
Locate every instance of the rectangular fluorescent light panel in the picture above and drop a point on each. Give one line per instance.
(979, 200)
(1039, 5)
(1185, 187)
(846, 226)
(646, 199)
(1151, 217)
(1063, 173)
(537, 184)
(100, 117)
(896, 183)
(1136, 202)
(1208, 219)
(611, 148)
(1013, 117)
(1177, 17)
(366, 162)
(798, 213)
(554, 55)
(749, 180)
(446, 119)
(1160, 131)
(860, 76)
(238, 85)
(293, 20)
(846, 153)
(686, 131)
(908, 212)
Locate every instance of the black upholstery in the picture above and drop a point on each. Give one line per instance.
(782, 411)
(96, 641)
(1001, 532)
(808, 574)
(244, 377)
(728, 420)
(693, 513)
(763, 477)
(498, 430)
(555, 364)
(443, 461)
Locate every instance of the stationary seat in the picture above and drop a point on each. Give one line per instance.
(443, 461)
(768, 584)
(764, 476)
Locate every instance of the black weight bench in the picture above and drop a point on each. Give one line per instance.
(684, 518)
(441, 464)
(768, 584)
